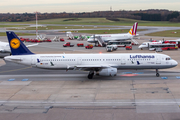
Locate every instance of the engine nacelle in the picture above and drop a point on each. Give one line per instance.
(108, 72)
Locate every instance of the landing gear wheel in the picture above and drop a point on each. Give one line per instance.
(157, 74)
(90, 75)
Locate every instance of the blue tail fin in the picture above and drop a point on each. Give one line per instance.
(16, 45)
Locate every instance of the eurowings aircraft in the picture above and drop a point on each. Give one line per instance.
(4, 47)
(101, 64)
(116, 37)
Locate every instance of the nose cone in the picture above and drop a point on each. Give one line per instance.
(90, 40)
(140, 46)
(175, 63)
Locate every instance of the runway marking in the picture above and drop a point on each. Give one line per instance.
(24, 79)
(139, 73)
(126, 72)
(15, 70)
(54, 102)
(11, 79)
(128, 75)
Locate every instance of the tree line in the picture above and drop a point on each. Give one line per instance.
(148, 15)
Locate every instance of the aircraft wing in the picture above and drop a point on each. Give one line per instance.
(31, 45)
(90, 67)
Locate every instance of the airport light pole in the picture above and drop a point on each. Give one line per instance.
(36, 23)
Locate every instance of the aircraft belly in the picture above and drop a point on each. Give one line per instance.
(145, 66)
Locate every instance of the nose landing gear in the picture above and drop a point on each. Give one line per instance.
(157, 73)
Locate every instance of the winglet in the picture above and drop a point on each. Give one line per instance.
(133, 30)
(16, 45)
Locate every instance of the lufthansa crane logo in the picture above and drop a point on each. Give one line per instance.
(15, 43)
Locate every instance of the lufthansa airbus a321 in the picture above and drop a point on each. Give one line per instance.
(102, 64)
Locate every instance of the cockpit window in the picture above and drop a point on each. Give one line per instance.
(143, 44)
(168, 58)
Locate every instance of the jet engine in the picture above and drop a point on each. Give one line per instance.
(108, 72)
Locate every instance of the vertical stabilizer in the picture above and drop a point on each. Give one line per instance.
(16, 45)
(133, 30)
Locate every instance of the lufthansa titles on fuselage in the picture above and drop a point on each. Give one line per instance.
(142, 56)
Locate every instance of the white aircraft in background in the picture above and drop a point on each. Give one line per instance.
(146, 44)
(117, 37)
(4, 47)
(101, 64)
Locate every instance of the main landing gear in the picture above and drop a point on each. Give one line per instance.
(90, 75)
(157, 73)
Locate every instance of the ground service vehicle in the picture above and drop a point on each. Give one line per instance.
(173, 42)
(48, 40)
(80, 45)
(119, 43)
(89, 46)
(62, 39)
(158, 49)
(68, 44)
(128, 47)
(163, 46)
(110, 48)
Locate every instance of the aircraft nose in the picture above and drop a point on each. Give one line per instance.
(175, 63)
(89, 40)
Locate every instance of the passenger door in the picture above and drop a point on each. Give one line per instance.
(33, 60)
(123, 60)
(158, 59)
(79, 61)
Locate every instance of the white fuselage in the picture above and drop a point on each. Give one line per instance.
(86, 61)
(110, 37)
(4, 47)
(146, 44)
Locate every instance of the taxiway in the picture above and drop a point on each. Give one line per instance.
(28, 93)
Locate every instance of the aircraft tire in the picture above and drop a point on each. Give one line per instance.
(157, 74)
(90, 76)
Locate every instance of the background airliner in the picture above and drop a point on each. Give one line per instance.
(101, 64)
(110, 37)
(4, 47)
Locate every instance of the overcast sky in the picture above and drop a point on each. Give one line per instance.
(30, 6)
